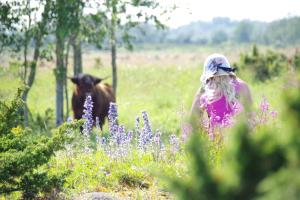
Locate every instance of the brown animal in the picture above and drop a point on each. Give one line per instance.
(102, 94)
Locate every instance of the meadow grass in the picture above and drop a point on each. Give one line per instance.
(163, 87)
(127, 177)
(161, 82)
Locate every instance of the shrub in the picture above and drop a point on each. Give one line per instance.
(23, 155)
(264, 66)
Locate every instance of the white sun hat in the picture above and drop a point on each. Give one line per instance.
(216, 65)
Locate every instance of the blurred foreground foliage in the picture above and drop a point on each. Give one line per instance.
(260, 164)
(24, 155)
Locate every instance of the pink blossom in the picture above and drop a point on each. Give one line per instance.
(274, 114)
(264, 105)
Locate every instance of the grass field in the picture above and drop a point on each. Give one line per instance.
(162, 82)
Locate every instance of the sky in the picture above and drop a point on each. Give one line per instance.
(205, 10)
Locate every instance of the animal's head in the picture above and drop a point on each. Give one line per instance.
(85, 83)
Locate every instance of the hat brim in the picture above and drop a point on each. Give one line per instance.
(220, 72)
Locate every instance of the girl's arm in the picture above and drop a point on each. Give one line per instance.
(245, 94)
(196, 110)
(196, 102)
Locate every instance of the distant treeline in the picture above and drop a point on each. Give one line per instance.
(220, 30)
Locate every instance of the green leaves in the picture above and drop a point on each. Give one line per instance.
(24, 155)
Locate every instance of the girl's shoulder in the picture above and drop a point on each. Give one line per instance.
(243, 90)
(240, 85)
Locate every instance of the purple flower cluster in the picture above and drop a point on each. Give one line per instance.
(146, 135)
(88, 115)
(174, 144)
(120, 143)
(113, 117)
(255, 118)
(263, 115)
(158, 147)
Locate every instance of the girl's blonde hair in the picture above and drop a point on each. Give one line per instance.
(217, 86)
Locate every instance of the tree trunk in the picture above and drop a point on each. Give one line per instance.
(61, 33)
(76, 40)
(31, 76)
(59, 75)
(76, 43)
(114, 66)
(114, 50)
(33, 65)
(66, 80)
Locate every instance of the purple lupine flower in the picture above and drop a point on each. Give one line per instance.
(147, 124)
(145, 136)
(113, 117)
(88, 115)
(113, 111)
(157, 145)
(142, 141)
(120, 135)
(157, 138)
(137, 123)
(174, 144)
(129, 137)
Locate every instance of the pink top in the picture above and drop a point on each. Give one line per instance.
(219, 111)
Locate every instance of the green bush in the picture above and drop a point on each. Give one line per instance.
(24, 155)
(264, 66)
(296, 60)
(43, 123)
(264, 164)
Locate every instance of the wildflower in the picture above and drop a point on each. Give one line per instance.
(227, 121)
(174, 144)
(113, 111)
(145, 136)
(264, 105)
(186, 129)
(129, 137)
(137, 124)
(88, 116)
(274, 114)
(157, 145)
(237, 108)
(113, 118)
(120, 135)
(157, 138)
(17, 130)
(147, 125)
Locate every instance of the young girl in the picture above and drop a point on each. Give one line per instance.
(221, 95)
